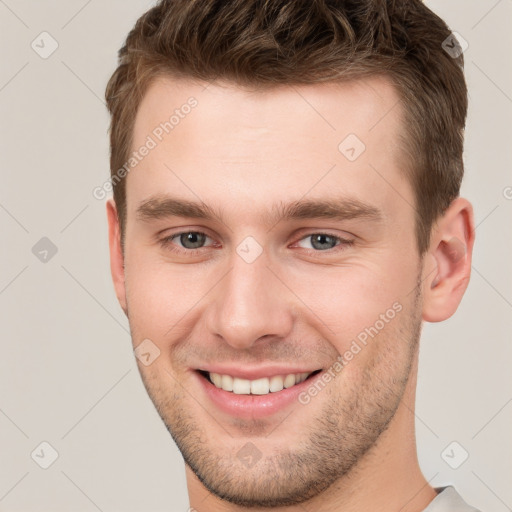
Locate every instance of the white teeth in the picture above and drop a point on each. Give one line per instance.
(261, 386)
(216, 379)
(289, 381)
(226, 382)
(241, 386)
(276, 384)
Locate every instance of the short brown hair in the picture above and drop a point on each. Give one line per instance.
(262, 43)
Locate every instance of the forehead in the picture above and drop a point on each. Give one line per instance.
(328, 110)
(225, 143)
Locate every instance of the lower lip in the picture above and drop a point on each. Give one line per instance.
(253, 406)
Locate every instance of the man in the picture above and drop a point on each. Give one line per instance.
(286, 214)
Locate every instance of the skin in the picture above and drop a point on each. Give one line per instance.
(352, 447)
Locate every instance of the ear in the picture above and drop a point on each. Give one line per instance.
(116, 253)
(448, 268)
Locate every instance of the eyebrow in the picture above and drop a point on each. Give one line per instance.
(165, 206)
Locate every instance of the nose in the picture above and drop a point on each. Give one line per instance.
(250, 303)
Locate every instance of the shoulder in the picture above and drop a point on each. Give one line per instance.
(449, 500)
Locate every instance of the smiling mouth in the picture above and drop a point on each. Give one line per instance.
(262, 386)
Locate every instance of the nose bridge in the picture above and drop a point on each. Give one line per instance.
(250, 303)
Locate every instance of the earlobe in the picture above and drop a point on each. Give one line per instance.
(116, 254)
(450, 251)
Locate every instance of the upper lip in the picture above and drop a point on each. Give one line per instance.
(255, 373)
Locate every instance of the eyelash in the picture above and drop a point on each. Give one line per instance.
(342, 245)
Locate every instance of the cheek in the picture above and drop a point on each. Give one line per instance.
(159, 296)
(353, 302)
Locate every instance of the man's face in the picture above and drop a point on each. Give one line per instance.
(258, 290)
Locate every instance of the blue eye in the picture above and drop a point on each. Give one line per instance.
(319, 242)
(322, 241)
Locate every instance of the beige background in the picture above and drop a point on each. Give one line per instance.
(67, 372)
